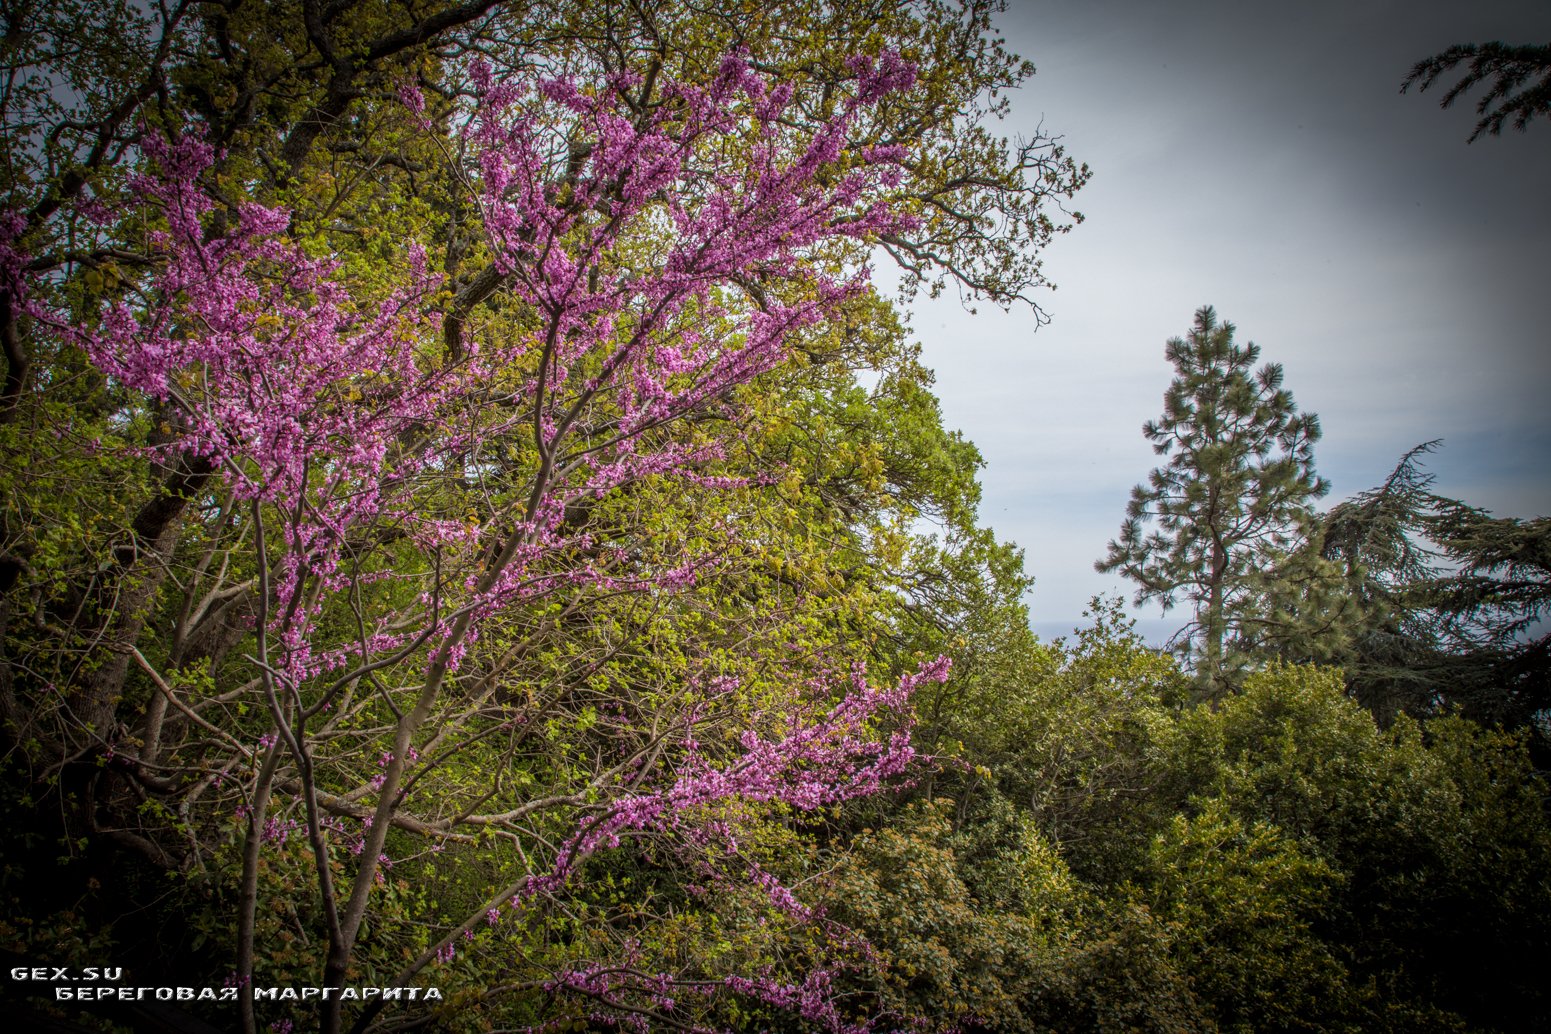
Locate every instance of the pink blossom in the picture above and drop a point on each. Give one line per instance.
(328, 405)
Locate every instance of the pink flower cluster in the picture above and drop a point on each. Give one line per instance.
(660, 277)
(653, 277)
(816, 763)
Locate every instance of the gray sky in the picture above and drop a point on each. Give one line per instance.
(1259, 158)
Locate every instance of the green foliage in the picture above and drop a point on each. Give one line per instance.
(1435, 835)
(1067, 732)
(944, 954)
(1105, 855)
(1240, 900)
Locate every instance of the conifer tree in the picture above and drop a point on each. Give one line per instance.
(1233, 500)
(1451, 602)
(1520, 78)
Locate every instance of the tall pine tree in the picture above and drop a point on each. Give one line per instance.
(1228, 509)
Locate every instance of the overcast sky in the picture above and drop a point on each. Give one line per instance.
(1259, 158)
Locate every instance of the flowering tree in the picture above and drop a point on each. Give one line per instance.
(361, 530)
(335, 429)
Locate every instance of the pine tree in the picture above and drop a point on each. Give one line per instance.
(1233, 501)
